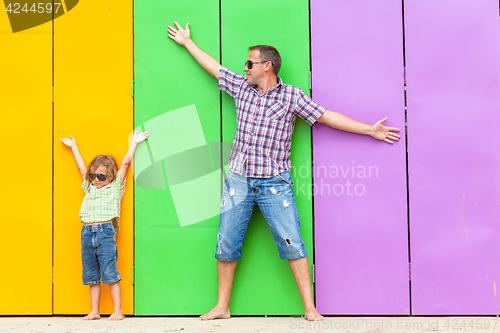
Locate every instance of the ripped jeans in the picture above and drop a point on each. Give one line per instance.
(277, 203)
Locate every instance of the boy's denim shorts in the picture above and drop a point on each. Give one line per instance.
(99, 254)
(277, 203)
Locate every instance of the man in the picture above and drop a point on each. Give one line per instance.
(259, 162)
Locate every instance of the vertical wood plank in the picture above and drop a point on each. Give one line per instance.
(453, 62)
(175, 265)
(93, 62)
(360, 183)
(264, 284)
(26, 196)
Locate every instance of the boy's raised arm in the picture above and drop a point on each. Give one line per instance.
(80, 163)
(136, 139)
(183, 37)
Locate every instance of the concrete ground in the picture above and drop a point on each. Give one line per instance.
(253, 324)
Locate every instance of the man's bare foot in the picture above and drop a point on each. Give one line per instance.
(216, 313)
(116, 316)
(92, 316)
(313, 315)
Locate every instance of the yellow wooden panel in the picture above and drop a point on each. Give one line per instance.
(93, 71)
(26, 169)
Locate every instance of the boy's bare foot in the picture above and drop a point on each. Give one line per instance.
(313, 315)
(116, 316)
(216, 313)
(92, 316)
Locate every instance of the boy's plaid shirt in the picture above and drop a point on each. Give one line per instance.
(264, 124)
(102, 204)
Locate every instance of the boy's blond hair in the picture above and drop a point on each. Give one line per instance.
(105, 160)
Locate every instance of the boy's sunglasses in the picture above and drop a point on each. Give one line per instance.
(99, 176)
(250, 63)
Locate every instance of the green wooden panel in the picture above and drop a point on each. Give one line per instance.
(175, 268)
(264, 284)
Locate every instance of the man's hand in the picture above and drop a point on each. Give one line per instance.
(383, 133)
(183, 37)
(69, 142)
(179, 35)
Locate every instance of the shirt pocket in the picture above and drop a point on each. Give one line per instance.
(276, 112)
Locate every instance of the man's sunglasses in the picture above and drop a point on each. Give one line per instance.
(99, 176)
(250, 63)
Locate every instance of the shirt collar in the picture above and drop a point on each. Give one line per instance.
(278, 79)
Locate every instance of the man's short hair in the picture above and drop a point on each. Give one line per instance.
(269, 53)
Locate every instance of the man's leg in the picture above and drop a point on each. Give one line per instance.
(237, 205)
(300, 270)
(277, 203)
(225, 273)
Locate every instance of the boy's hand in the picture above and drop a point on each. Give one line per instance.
(80, 163)
(136, 139)
(70, 143)
(139, 137)
(179, 35)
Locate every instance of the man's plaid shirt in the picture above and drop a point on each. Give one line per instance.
(264, 124)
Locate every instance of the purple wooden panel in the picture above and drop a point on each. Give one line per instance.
(361, 230)
(453, 61)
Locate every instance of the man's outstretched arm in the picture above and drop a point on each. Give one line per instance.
(183, 37)
(378, 130)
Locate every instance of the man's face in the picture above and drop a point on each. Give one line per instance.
(257, 72)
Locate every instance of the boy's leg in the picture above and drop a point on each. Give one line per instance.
(95, 297)
(116, 295)
(108, 255)
(91, 272)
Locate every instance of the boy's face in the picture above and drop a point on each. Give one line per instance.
(103, 171)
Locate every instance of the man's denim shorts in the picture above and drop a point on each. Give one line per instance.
(277, 203)
(99, 254)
